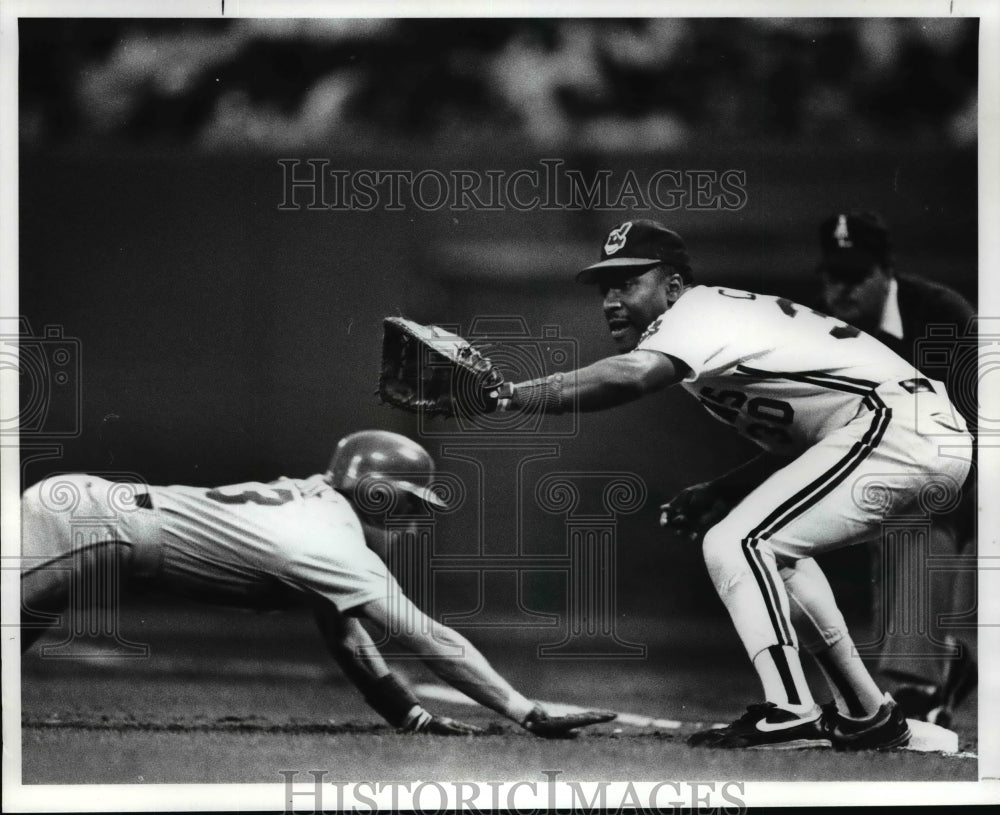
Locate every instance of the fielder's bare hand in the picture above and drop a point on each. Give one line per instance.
(565, 726)
(696, 509)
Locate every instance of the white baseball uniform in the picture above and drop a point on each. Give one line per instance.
(868, 433)
(254, 545)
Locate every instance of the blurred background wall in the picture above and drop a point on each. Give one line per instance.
(223, 338)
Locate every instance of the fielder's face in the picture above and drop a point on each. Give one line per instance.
(857, 299)
(632, 300)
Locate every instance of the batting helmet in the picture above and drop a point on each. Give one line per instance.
(378, 455)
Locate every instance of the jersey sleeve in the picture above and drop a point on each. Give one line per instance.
(689, 332)
(345, 572)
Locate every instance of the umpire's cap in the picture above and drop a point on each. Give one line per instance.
(634, 244)
(852, 242)
(373, 456)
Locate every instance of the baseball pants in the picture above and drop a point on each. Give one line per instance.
(80, 536)
(901, 449)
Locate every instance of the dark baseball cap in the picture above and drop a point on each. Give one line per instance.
(852, 243)
(634, 244)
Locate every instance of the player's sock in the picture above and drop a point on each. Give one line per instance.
(784, 682)
(855, 692)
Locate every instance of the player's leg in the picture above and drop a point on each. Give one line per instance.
(822, 632)
(897, 467)
(46, 555)
(743, 567)
(78, 535)
(860, 716)
(742, 561)
(820, 501)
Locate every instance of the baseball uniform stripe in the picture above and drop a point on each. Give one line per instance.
(808, 496)
(832, 381)
(847, 380)
(50, 563)
(830, 668)
(804, 500)
(783, 620)
(765, 583)
(781, 663)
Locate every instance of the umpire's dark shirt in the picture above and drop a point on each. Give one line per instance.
(922, 304)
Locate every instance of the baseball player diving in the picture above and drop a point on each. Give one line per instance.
(850, 434)
(320, 540)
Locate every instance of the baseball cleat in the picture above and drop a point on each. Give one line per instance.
(917, 701)
(767, 726)
(882, 731)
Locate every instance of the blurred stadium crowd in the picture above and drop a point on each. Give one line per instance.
(264, 84)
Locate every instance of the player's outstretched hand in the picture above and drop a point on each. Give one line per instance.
(565, 726)
(443, 726)
(695, 509)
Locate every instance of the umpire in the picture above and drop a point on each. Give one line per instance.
(860, 285)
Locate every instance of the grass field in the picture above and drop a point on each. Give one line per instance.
(232, 697)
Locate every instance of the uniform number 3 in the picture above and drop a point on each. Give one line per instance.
(838, 332)
(253, 492)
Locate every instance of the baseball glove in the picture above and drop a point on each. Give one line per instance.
(430, 370)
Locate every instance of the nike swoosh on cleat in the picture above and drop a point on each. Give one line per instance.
(771, 727)
(840, 734)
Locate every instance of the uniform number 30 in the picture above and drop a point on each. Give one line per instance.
(771, 415)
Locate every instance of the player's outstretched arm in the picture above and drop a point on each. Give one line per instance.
(359, 659)
(604, 384)
(459, 663)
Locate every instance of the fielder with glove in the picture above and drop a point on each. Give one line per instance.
(427, 369)
(855, 437)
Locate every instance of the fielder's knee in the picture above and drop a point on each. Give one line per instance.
(724, 560)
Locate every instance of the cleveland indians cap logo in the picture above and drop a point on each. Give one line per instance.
(616, 239)
(841, 235)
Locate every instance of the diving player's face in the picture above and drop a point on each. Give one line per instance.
(631, 302)
(857, 300)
